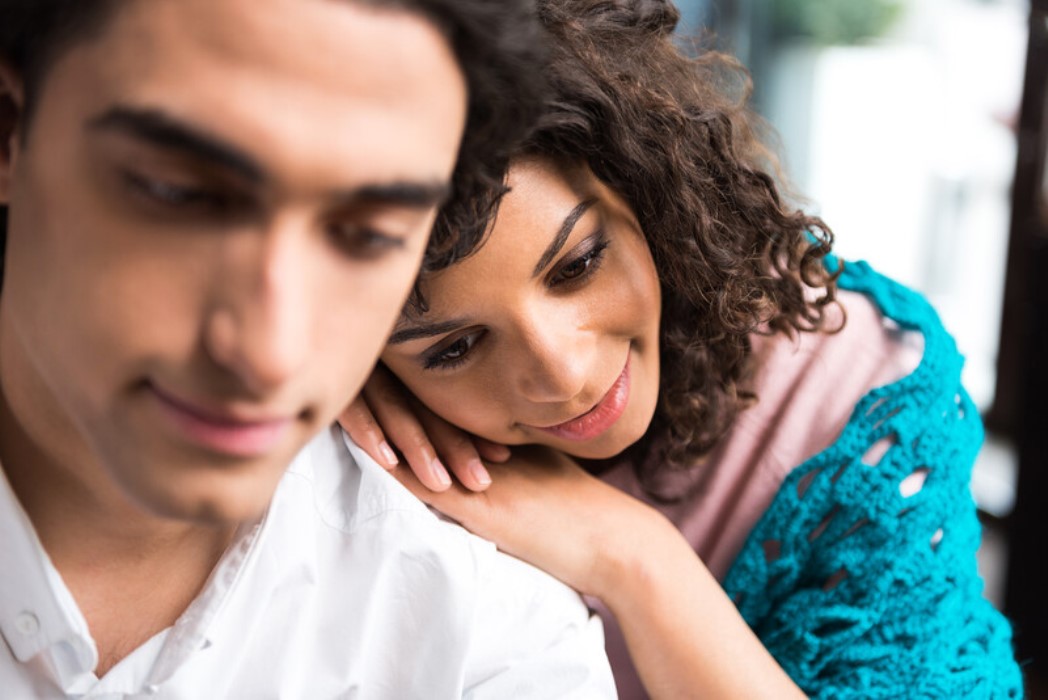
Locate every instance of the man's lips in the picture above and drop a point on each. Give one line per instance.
(225, 431)
(598, 419)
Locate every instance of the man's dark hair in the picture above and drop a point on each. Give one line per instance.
(497, 43)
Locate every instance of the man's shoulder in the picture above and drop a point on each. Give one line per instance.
(354, 503)
(450, 600)
(349, 490)
(354, 511)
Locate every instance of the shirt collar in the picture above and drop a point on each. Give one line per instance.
(38, 614)
(37, 611)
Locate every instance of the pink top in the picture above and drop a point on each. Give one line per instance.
(807, 387)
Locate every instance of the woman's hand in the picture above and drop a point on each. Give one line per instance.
(545, 509)
(385, 415)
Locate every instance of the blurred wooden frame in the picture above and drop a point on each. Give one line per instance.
(1020, 410)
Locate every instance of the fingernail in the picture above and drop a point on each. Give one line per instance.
(479, 473)
(389, 454)
(504, 452)
(439, 472)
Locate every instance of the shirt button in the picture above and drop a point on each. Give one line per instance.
(27, 624)
(152, 689)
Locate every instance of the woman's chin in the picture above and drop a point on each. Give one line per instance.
(607, 446)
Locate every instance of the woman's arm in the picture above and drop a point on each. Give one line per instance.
(683, 632)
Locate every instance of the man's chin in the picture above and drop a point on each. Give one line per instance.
(215, 506)
(204, 494)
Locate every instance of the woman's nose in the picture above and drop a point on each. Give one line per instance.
(555, 362)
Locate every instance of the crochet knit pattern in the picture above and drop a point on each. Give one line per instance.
(861, 577)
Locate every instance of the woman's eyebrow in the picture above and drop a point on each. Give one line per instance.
(425, 330)
(562, 235)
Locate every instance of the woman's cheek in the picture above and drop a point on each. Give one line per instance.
(641, 296)
(468, 406)
(627, 305)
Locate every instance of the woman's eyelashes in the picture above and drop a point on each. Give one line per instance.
(582, 263)
(452, 354)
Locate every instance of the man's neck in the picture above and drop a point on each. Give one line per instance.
(131, 573)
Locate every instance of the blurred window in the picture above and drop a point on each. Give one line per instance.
(897, 121)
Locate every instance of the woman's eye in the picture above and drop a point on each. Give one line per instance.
(451, 355)
(576, 268)
(581, 266)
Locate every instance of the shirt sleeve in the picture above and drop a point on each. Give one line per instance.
(533, 636)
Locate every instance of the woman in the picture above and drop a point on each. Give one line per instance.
(647, 310)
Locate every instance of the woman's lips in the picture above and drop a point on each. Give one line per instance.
(598, 419)
(228, 434)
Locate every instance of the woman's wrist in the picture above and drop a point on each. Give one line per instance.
(636, 554)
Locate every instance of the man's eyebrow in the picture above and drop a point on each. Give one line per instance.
(562, 235)
(416, 195)
(160, 129)
(163, 130)
(425, 330)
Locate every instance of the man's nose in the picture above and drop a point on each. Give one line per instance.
(258, 326)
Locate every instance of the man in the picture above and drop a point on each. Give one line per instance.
(215, 210)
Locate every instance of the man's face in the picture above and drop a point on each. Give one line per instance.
(215, 217)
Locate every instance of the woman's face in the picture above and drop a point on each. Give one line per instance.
(548, 334)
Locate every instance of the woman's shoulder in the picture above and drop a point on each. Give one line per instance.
(864, 419)
(868, 547)
(888, 381)
(809, 385)
(903, 452)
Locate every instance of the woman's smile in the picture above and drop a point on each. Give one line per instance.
(598, 419)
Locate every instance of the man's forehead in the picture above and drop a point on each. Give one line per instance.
(335, 80)
(338, 42)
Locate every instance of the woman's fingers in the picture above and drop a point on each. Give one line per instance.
(491, 451)
(358, 421)
(430, 445)
(457, 449)
(398, 415)
(387, 414)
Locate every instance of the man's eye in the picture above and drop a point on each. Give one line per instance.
(176, 196)
(363, 242)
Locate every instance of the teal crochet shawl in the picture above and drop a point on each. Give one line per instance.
(858, 590)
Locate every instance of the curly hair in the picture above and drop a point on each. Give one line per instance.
(673, 136)
(499, 47)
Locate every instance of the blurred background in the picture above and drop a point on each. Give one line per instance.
(917, 129)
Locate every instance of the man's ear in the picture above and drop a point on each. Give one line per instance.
(12, 107)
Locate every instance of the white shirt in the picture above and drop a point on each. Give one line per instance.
(348, 588)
